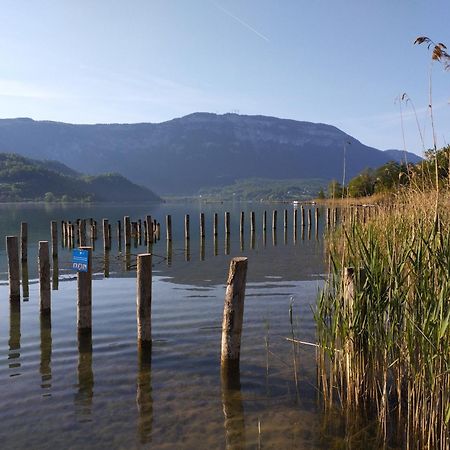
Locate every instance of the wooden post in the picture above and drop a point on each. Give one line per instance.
(241, 224)
(168, 227)
(119, 233)
(216, 223)
(12, 251)
(158, 231)
(106, 239)
(233, 313)
(139, 231)
(109, 237)
(202, 225)
(274, 219)
(44, 277)
(84, 303)
(202, 248)
(24, 241)
(295, 222)
(264, 221)
(127, 230)
(55, 274)
(252, 222)
(186, 228)
(285, 219)
(309, 218)
(54, 237)
(149, 226)
(227, 223)
(83, 232)
(144, 299)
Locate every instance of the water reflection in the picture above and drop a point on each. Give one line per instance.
(46, 351)
(14, 338)
(233, 409)
(83, 398)
(274, 237)
(169, 252)
(106, 259)
(216, 245)
(55, 274)
(144, 400)
(187, 249)
(25, 281)
(227, 244)
(127, 258)
(202, 248)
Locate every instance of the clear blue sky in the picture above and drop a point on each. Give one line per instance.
(341, 62)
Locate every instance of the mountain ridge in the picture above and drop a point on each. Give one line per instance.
(200, 150)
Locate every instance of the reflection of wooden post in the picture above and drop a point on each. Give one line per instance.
(12, 250)
(144, 400)
(84, 304)
(233, 313)
(168, 227)
(25, 285)
(24, 241)
(44, 277)
(144, 299)
(202, 225)
(227, 223)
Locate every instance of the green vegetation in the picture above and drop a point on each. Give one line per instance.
(23, 179)
(260, 189)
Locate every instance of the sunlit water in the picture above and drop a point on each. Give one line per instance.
(58, 392)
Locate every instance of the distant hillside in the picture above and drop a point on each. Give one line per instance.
(23, 179)
(400, 156)
(197, 151)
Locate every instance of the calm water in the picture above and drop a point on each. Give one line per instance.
(60, 393)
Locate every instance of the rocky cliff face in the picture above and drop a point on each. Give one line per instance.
(199, 150)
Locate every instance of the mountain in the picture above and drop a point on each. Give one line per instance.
(399, 155)
(27, 179)
(200, 150)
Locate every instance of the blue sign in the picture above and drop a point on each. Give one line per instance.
(80, 260)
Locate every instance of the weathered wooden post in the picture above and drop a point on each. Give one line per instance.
(149, 227)
(158, 231)
(144, 300)
(187, 249)
(84, 302)
(12, 251)
(24, 241)
(106, 237)
(252, 222)
(202, 225)
(83, 232)
(202, 248)
(25, 280)
(241, 223)
(54, 238)
(274, 219)
(109, 237)
(127, 231)
(215, 225)
(55, 274)
(303, 215)
(295, 223)
(309, 218)
(233, 314)
(169, 228)
(227, 223)
(139, 231)
(215, 245)
(44, 277)
(285, 219)
(187, 232)
(264, 224)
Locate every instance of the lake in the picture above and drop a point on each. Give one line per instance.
(58, 392)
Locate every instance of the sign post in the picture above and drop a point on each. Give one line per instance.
(80, 260)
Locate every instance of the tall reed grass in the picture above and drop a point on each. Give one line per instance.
(383, 326)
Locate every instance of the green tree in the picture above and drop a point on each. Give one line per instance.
(362, 185)
(335, 189)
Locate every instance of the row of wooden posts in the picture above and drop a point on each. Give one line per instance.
(233, 308)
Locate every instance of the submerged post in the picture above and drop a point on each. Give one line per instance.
(233, 313)
(44, 277)
(12, 250)
(84, 303)
(144, 299)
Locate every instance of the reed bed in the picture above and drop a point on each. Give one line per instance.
(383, 320)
